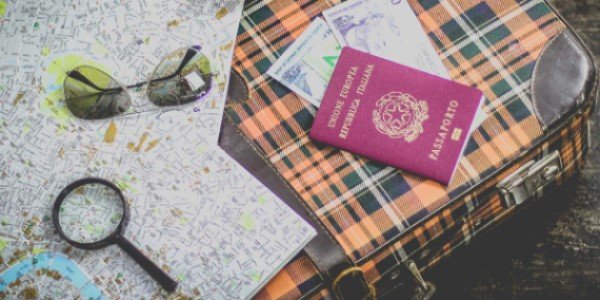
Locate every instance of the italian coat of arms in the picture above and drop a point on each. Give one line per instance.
(400, 115)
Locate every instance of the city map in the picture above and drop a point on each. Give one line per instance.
(194, 211)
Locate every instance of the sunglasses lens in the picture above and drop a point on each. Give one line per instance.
(182, 77)
(93, 94)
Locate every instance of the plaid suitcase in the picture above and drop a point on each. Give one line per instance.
(380, 228)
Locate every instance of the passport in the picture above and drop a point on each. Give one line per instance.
(400, 116)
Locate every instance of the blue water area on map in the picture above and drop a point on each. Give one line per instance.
(56, 262)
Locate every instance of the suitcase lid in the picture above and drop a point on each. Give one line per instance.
(493, 46)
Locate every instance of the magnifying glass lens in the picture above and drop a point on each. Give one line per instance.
(91, 213)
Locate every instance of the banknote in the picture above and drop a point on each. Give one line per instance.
(292, 71)
(324, 56)
(385, 28)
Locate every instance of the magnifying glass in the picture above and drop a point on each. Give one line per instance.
(91, 213)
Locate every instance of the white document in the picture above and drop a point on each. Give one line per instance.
(388, 29)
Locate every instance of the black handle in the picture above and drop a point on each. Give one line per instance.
(157, 273)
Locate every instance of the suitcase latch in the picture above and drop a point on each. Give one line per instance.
(425, 289)
(530, 180)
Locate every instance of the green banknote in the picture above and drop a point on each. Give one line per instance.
(322, 59)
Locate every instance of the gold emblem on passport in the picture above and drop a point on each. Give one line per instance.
(400, 115)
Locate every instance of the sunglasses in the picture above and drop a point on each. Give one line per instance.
(182, 77)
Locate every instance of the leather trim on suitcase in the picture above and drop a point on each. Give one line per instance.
(553, 96)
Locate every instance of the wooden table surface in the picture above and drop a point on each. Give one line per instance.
(552, 250)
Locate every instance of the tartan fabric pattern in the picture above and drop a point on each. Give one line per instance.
(368, 207)
(298, 278)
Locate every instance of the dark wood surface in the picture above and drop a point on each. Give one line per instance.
(551, 250)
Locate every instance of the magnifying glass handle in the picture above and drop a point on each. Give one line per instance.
(157, 273)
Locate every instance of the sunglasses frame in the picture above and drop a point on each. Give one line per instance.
(190, 53)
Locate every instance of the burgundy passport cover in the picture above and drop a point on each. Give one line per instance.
(396, 115)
